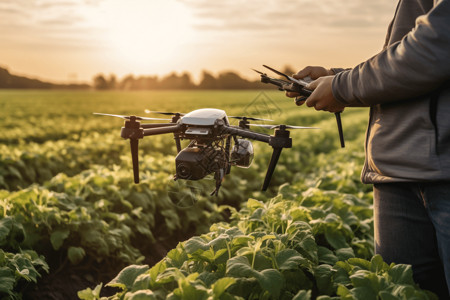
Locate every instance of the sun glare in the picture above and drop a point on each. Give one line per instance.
(146, 35)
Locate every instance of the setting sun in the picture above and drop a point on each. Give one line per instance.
(147, 39)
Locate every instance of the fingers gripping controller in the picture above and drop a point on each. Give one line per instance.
(297, 86)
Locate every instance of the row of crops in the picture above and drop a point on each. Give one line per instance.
(67, 201)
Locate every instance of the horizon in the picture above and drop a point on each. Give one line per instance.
(73, 41)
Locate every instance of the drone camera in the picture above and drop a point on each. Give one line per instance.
(242, 153)
(195, 163)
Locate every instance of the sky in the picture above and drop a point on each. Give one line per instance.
(74, 40)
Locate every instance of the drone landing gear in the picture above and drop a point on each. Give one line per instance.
(218, 176)
(273, 162)
(134, 143)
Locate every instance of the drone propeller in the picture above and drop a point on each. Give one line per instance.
(249, 118)
(285, 126)
(277, 72)
(147, 111)
(129, 117)
(259, 72)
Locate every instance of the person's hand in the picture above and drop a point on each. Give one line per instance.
(313, 72)
(322, 97)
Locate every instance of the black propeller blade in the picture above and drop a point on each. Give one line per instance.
(147, 111)
(259, 72)
(129, 117)
(249, 118)
(285, 126)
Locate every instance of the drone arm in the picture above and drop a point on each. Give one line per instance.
(155, 125)
(161, 130)
(248, 134)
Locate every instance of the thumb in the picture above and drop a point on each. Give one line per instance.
(313, 85)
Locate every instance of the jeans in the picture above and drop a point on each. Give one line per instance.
(412, 226)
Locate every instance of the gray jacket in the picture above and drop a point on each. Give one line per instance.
(406, 87)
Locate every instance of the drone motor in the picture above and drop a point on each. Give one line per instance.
(242, 153)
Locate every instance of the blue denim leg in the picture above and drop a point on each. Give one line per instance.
(437, 200)
(405, 232)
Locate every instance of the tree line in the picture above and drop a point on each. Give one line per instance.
(10, 81)
(224, 80)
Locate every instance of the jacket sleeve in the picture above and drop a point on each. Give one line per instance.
(412, 67)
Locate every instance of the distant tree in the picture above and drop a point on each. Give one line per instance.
(112, 81)
(173, 81)
(126, 83)
(146, 83)
(231, 80)
(100, 82)
(288, 70)
(5, 78)
(208, 81)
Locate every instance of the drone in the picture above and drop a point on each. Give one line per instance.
(215, 145)
(298, 86)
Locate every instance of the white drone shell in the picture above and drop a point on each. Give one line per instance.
(204, 117)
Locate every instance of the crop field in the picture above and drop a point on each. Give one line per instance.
(73, 225)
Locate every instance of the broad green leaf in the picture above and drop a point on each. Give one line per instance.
(327, 298)
(326, 255)
(170, 275)
(157, 269)
(341, 276)
(323, 275)
(303, 295)
(377, 264)
(142, 282)
(239, 266)
(335, 238)
(270, 279)
(195, 243)
(401, 274)
(140, 295)
(360, 263)
(345, 253)
(364, 293)
(7, 280)
(221, 285)
(343, 292)
(300, 214)
(289, 259)
(126, 278)
(58, 236)
(5, 227)
(297, 280)
(253, 203)
(89, 294)
(176, 257)
(75, 254)
(257, 215)
(2, 257)
(241, 240)
(387, 296)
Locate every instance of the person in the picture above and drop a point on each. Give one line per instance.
(407, 146)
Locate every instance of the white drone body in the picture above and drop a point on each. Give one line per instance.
(204, 117)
